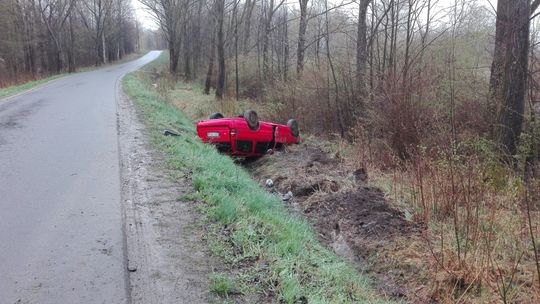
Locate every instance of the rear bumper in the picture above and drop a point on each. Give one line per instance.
(245, 142)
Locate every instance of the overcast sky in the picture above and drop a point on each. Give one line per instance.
(142, 15)
(147, 21)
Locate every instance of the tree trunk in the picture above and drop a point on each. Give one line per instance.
(265, 46)
(267, 21)
(210, 72)
(236, 72)
(300, 50)
(173, 57)
(71, 49)
(509, 71)
(285, 47)
(496, 88)
(339, 116)
(208, 82)
(250, 4)
(361, 47)
(103, 48)
(220, 89)
(408, 39)
(187, 49)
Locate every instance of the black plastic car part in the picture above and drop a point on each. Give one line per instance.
(216, 115)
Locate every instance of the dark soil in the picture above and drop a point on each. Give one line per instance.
(362, 215)
(352, 218)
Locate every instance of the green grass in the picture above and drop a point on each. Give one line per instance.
(12, 90)
(279, 250)
(222, 285)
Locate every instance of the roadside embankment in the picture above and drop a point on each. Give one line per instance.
(271, 255)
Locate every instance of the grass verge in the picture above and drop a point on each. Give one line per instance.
(279, 253)
(12, 90)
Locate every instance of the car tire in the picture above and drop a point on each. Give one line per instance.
(252, 119)
(293, 125)
(216, 115)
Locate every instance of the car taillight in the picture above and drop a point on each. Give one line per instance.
(233, 132)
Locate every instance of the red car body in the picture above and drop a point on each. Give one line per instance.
(234, 136)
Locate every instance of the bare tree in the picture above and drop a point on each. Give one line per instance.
(267, 25)
(168, 14)
(94, 15)
(302, 28)
(220, 15)
(361, 46)
(42, 37)
(55, 14)
(212, 51)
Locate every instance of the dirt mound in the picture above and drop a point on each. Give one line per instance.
(303, 170)
(336, 196)
(363, 216)
(351, 217)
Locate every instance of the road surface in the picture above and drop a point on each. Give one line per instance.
(61, 230)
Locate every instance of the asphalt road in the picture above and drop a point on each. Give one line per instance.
(61, 230)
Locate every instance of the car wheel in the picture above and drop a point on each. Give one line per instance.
(216, 115)
(252, 119)
(293, 125)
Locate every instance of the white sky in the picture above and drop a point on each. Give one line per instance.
(145, 18)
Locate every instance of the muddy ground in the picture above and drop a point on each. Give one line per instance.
(352, 218)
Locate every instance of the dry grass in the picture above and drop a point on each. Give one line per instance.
(25, 85)
(189, 98)
(477, 243)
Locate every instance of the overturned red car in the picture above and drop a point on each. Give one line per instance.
(246, 135)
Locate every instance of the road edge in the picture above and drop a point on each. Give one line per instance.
(165, 259)
(8, 99)
(119, 93)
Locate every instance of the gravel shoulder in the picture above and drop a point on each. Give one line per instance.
(167, 260)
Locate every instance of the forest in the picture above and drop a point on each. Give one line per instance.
(349, 63)
(40, 38)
